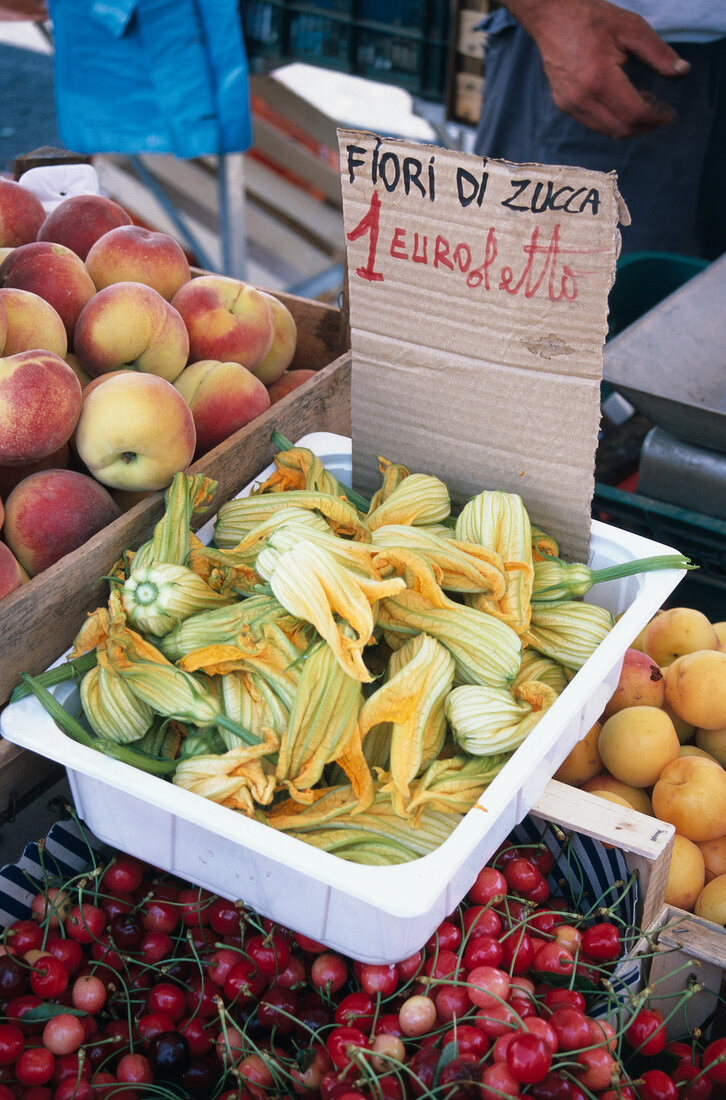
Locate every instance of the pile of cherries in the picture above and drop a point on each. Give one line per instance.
(125, 982)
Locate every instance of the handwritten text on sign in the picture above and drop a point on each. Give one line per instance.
(545, 266)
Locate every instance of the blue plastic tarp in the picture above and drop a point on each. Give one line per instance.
(151, 76)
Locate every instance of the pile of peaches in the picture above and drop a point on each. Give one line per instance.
(117, 369)
(660, 748)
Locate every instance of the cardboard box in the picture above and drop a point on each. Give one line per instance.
(40, 619)
(478, 296)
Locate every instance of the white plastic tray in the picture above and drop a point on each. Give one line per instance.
(374, 914)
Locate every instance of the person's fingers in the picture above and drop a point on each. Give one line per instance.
(617, 109)
(650, 48)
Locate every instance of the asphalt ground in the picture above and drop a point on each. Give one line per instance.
(27, 106)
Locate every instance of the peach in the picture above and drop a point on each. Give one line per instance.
(583, 761)
(40, 401)
(130, 325)
(713, 742)
(636, 743)
(31, 322)
(10, 476)
(3, 326)
(52, 513)
(55, 273)
(78, 221)
(691, 794)
(711, 902)
(288, 381)
(12, 574)
(677, 631)
(641, 683)
(714, 856)
(685, 730)
(686, 874)
(227, 320)
(284, 343)
(635, 797)
(72, 360)
(21, 214)
(135, 431)
(223, 397)
(696, 688)
(133, 254)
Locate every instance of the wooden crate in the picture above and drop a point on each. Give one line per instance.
(40, 619)
(645, 841)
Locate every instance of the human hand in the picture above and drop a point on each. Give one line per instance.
(584, 45)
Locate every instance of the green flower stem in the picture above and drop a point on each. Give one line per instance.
(74, 669)
(73, 729)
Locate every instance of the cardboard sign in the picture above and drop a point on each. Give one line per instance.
(478, 309)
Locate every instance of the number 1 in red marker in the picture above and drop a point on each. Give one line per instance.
(369, 223)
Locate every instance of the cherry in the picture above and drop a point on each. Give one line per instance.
(123, 874)
(12, 1042)
(13, 978)
(169, 1053)
(85, 922)
(48, 977)
(127, 931)
(224, 917)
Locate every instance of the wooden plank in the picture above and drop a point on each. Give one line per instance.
(645, 841)
(301, 162)
(320, 220)
(690, 952)
(40, 619)
(289, 104)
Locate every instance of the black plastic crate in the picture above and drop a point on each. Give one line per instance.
(403, 42)
(702, 538)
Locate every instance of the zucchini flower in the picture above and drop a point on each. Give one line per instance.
(535, 666)
(412, 701)
(323, 727)
(555, 579)
(300, 468)
(225, 625)
(500, 521)
(188, 495)
(111, 708)
(236, 518)
(569, 631)
(419, 499)
(240, 779)
(487, 721)
(158, 595)
(454, 784)
(393, 474)
(249, 700)
(377, 836)
(311, 583)
(458, 566)
(485, 650)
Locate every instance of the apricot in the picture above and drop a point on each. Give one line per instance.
(685, 730)
(714, 856)
(693, 750)
(720, 628)
(691, 794)
(635, 797)
(583, 761)
(711, 902)
(641, 683)
(713, 742)
(696, 688)
(677, 631)
(636, 743)
(686, 873)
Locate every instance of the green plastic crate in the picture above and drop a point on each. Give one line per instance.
(702, 538)
(403, 42)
